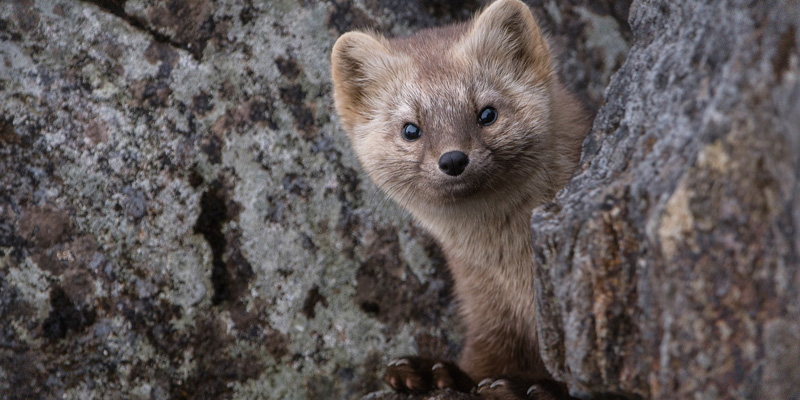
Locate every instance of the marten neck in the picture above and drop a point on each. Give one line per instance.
(489, 254)
(481, 232)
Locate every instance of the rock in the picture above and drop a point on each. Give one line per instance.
(181, 215)
(668, 267)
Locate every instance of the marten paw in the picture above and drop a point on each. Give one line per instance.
(502, 389)
(513, 389)
(420, 375)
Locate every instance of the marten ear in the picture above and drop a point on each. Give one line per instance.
(505, 37)
(359, 64)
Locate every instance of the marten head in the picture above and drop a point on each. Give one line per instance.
(455, 114)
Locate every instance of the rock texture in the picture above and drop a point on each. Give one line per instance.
(668, 268)
(181, 215)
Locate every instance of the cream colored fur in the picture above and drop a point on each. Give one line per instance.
(440, 79)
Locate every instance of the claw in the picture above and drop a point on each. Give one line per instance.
(533, 389)
(485, 382)
(436, 366)
(398, 362)
(501, 382)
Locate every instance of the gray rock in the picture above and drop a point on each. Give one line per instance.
(182, 217)
(668, 267)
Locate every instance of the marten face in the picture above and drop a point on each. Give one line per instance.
(441, 140)
(450, 115)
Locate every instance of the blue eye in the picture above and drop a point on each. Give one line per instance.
(487, 116)
(411, 132)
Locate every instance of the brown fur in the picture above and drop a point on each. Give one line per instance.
(439, 79)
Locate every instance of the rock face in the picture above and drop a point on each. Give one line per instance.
(181, 215)
(668, 268)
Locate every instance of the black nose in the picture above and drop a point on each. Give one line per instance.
(453, 163)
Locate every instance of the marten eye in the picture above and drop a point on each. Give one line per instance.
(487, 116)
(411, 132)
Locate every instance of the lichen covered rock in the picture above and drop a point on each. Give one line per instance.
(181, 215)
